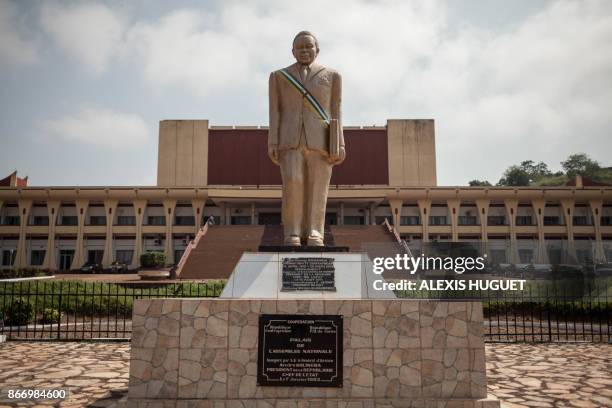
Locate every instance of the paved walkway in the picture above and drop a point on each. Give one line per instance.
(521, 375)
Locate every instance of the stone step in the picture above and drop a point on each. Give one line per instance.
(220, 249)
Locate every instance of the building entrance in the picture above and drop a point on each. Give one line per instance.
(65, 259)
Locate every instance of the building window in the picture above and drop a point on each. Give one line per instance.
(379, 220)
(437, 220)
(496, 220)
(184, 220)
(554, 256)
(241, 220)
(69, 220)
(580, 220)
(606, 220)
(525, 255)
(467, 220)
(178, 254)
(156, 220)
(8, 257)
(11, 220)
(498, 256)
(124, 256)
(410, 220)
(40, 220)
(584, 256)
(354, 220)
(97, 220)
(95, 256)
(330, 219)
(552, 220)
(126, 220)
(524, 220)
(37, 257)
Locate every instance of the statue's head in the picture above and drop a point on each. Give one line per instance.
(305, 47)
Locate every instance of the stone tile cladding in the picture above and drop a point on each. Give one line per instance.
(397, 353)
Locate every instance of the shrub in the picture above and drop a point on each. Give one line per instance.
(152, 259)
(20, 313)
(50, 315)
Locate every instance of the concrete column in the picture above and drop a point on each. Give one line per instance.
(483, 215)
(340, 213)
(223, 214)
(372, 210)
(511, 205)
(228, 215)
(140, 207)
(538, 209)
(79, 249)
(596, 210)
(424, 210)
(567, 205)
(453, 205)
(169, 207)
(21, 258)
(110, 208)
(253, 214)
(396, 211)
(197, 206)
(50, 261)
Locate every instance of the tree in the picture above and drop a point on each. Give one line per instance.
(480, 183)
(514, 176)
(535, 171)
(524, 174)
(581, 164)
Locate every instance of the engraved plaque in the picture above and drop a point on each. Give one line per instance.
(300, 350)
(308, 274)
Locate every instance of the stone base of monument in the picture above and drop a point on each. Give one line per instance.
(394, 353)
(307, 330)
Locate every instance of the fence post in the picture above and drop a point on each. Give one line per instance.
(549, 327)
(59, 309)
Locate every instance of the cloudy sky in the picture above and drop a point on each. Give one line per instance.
(84, 84)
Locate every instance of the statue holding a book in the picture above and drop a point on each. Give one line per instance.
(305, 139)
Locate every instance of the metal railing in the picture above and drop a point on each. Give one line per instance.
(77, 310)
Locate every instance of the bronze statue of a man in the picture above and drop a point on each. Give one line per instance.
(305, 113)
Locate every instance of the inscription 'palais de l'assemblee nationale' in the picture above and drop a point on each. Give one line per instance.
(300, 350)
(308, 274)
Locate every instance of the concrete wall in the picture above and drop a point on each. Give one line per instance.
(412, 152)
(182, 159)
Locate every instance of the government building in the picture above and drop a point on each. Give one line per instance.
(222, 177)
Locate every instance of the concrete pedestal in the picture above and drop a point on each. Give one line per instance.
(396, 352)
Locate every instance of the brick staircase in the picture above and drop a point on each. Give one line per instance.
(217, 250)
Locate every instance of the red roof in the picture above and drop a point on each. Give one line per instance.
(13, 181)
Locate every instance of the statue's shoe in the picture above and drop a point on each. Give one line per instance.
(293, 240)
(315, 241)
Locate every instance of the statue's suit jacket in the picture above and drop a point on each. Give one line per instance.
(288, 110)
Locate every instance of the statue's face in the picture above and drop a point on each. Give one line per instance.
(305, 49)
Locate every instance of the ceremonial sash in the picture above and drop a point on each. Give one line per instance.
(311, 101)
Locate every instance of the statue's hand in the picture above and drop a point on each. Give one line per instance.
(273, 154)
(341, 156)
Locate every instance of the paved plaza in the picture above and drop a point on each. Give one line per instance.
(521, 375)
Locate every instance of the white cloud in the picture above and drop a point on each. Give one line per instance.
(99, 127)
(13, 47)
(539, 88)
(91, 33)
